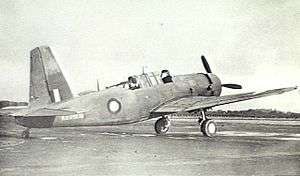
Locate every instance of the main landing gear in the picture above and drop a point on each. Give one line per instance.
(207, 126)
(162, 125)
(25, 134)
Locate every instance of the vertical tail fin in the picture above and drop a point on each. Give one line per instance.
(47, 83)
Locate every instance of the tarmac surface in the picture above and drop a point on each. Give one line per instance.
(241, 147)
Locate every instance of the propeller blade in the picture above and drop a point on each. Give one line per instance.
(232, 86)
(205, 64)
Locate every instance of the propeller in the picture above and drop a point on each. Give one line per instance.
(208, 70)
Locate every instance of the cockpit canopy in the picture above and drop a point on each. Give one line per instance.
(145, 80)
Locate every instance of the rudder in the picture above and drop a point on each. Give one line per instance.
(47, 82)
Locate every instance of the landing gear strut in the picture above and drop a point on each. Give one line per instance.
(207, 126)
(162, 125)
(25, 134)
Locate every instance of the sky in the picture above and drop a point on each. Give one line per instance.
(252, 43)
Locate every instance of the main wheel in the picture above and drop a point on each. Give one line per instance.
(25, 134)
(162, 125)
(209, 128)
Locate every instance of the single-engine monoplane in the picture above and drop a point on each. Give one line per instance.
(139, 98)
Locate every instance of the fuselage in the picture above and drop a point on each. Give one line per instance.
(118, 105)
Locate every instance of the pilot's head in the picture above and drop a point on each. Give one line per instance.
(132, 80)
(133, 83)
(164, 73)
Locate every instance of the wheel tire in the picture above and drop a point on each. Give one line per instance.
(162, 125)
(209, 128)
(25, 134)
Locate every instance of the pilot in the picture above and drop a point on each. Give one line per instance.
(165, 76)
(133, 84)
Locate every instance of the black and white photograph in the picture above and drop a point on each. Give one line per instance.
(149, 88)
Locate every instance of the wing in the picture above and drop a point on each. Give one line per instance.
(199, 102)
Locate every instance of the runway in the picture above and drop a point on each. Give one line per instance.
(251, 147)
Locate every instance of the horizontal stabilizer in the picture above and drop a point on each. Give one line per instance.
(5, 103)
(44, 112)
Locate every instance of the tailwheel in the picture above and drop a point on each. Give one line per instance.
(208, 128)
(26, 133)
(162, 125)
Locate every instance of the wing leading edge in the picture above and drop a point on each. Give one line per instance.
(188, 104)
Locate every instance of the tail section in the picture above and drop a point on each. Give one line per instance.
(47, 83)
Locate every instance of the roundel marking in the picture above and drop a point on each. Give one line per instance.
(113, 105)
